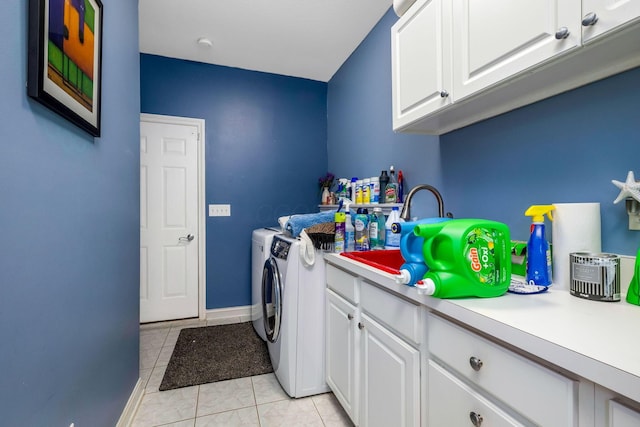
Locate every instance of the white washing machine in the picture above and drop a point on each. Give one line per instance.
(294, 312)
(260, 252)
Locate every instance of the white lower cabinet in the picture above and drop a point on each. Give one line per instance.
(453, 403)
(484, 383)
(612, 410)
(342, 353)
(373, 367)
(390, 370)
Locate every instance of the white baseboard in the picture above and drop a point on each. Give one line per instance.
(126, 418)
(225, 316)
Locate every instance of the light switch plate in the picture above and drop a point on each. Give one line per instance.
(219, 210)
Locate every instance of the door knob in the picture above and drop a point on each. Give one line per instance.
(187, 238)
(475, 363)
(589, 19)
(562, 33)
(476, 419)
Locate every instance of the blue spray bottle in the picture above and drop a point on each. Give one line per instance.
(538, 252)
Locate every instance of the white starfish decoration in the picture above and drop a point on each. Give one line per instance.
(629, 188)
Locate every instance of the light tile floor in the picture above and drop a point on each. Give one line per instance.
(253, 401)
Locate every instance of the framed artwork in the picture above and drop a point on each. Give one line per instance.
(65, 59)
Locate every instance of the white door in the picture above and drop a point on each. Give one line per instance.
(496, 39)
(602, 16)
(169, 239)
(390, 386)
(420, 52)
(341, 347)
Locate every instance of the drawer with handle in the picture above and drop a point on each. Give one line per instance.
(454, 403)
(541, 395)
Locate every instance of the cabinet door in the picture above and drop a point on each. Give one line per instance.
(420, 52)
(453, 403)
(342, 352)
(602, 16)
(497, 39)
(390, 378)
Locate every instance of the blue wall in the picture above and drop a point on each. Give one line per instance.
(564, 149)
(69, 221)
(361, 141)
(265, 150)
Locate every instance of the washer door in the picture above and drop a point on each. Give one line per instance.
(271, 299)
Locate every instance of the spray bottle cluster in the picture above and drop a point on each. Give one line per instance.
(386, 188)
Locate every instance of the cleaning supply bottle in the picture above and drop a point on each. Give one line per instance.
(400, 187)
(384, 180)
(359, 192)
(466, 258)
(633, 293)
(349, 232)
(340, 219)
(392, 240)
(538, 253)
(377, 229)
(362, 230)
(391, 190)
(366, 191)
(414, 267)
(375, 190)
(352, 189)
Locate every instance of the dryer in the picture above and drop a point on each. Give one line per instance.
(294, 313)
(260, 251)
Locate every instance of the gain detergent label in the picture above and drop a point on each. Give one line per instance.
(480, 254)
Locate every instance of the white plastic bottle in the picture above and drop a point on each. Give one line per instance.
(366, 191)
(375, 190)
(349, 233)
(392, 240)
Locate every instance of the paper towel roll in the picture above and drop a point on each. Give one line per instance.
(575, 228)
(401, 6)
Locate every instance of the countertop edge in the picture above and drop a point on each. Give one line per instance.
(473, 314)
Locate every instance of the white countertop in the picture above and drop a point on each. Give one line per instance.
(599, 341)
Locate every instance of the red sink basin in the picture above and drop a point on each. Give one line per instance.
(388, 260)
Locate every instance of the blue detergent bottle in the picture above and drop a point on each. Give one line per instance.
(538, 252)
(414, 267)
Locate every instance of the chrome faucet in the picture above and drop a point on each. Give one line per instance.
(406, 207)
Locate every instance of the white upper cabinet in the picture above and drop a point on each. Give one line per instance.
(602, 16)
(421, 73)
(456, 62)
(496, 39)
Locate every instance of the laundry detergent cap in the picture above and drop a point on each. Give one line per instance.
(539, 211)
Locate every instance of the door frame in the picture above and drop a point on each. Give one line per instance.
(202, 219)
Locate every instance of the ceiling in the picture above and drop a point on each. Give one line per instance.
(300, 38)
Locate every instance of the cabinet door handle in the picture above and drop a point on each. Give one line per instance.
(562, 33)
(360, 325)
(589, 19)
(444, 94)
(476, 419)
(475, 363)
(350, 316)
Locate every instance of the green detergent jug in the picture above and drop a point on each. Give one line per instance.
(466, 258)
(633, 293)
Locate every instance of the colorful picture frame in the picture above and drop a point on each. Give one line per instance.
(65, 59)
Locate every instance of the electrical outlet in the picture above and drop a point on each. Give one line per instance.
(219, 210)
(634, 222)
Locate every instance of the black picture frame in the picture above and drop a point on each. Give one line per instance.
(64, 70)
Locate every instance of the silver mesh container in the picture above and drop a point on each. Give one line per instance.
(595, 276)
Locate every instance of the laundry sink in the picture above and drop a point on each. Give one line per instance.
(388, 260)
